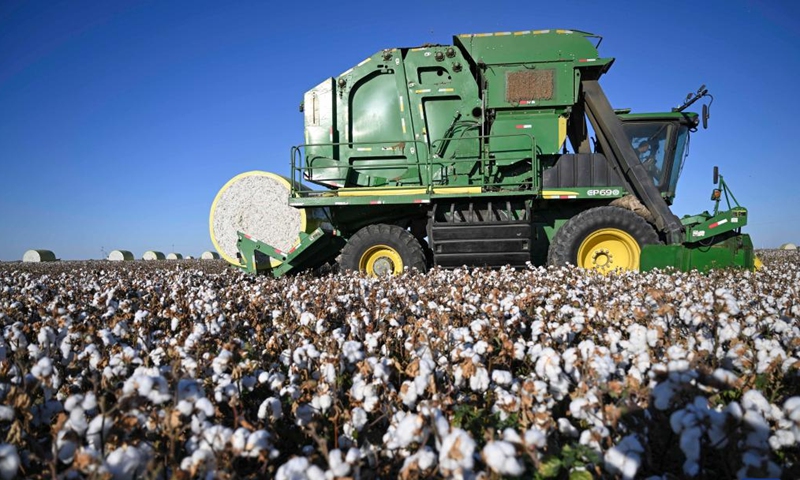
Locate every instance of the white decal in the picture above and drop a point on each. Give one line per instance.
(603, 193)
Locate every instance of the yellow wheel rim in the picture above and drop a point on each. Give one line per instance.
(381, 260)
(609, 249)
(757, 263)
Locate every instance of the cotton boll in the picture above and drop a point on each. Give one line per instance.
(200, 458)
(221, 361)
(127, 462)
(352, 351)
(403, 430)
(9, 461)
(625, 457)
(408, 393)
(239, 440)
(479, 382)
(548, 365)
(359, 418)
(353, 455)
(216, 437)
(299, 468)
(421, 461)
(307, 318)
(257, 442)
(270, 408)
(455, 454)
(322, 402)
(98, 430)
(185, 407)
(205, 407)
(535, 437)
(501, 457)
(502, 377)
(336, 463)
(510, 435)
(43, 368)
(77, 420)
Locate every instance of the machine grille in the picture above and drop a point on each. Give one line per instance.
(530, 85)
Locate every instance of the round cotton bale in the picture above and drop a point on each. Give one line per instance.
(39, 256)
(209, 255)
(788, 246)
(256, 203)
(174, 256)
(120, 256)
(153, 255)
(189, 257)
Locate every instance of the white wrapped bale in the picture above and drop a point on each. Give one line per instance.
(256, 203)
(209, 255)
(174, 256)
(788, 246)
(39, 256)
(120, 256)
(153, 255)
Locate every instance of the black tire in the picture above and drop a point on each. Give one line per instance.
(568, 243)
(372, 241)
(428, 252)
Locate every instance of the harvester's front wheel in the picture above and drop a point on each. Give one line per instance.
(381, 250)
(603, 239)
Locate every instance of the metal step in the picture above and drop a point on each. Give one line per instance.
(491, 240)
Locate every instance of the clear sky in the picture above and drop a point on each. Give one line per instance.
(120, 121)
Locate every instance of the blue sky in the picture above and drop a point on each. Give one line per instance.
(120, 121)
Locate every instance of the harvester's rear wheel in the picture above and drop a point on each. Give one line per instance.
(382, 250)
(603, 239)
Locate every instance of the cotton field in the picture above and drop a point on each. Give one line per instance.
(194, 370)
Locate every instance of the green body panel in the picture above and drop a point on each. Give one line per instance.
(703, 227)
(520, 47)
(417, 116)
(734, 251)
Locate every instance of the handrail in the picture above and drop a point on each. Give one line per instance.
(483, 159)
(298, 159)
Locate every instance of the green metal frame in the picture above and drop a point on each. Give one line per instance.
(313, 250)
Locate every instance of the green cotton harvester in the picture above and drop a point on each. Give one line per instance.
(500, 149)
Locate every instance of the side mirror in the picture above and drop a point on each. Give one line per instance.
(716, 175)
(706, 114)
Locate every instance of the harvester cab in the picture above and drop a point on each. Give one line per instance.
(456, 155)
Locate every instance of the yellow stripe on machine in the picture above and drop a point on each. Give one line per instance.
(456, 190)
(550, 194)
(366, 192)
